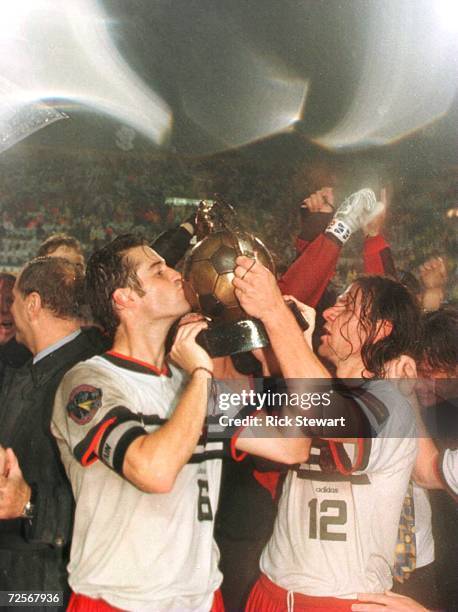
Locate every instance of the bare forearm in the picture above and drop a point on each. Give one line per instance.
(295, 357)
(425, 473)
(278, 447)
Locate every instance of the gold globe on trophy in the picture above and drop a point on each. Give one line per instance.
(208, 274)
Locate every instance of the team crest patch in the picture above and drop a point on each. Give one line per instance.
(83, 403)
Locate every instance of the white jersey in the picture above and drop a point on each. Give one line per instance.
(335, 534)
(136, 551)
(448, 467)
(424, 541)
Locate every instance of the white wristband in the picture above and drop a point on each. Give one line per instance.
(339, 229)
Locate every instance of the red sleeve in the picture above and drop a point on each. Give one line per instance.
(377, 255)
(308, 276)
(301, 245)
(268, 480)
(235, 454)
(358, 461)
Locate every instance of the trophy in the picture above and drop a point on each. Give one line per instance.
(208, 273)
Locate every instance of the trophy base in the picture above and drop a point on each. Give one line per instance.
(232, 338)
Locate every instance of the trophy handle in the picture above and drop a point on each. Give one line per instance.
(300, 319)
(241, 336)
(231, 338)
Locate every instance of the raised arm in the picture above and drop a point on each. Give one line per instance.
(153, 461)
(309, 274)
(433, 278)
(98, 421)
(377, 254)
(259, 296)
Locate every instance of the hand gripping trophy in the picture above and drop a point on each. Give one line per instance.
(209, 270)
(208, 273)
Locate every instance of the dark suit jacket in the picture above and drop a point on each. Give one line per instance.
(33, 553)
(12, 355)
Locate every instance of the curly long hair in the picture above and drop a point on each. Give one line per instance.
(384, 300)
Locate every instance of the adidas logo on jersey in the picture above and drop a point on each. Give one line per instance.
(326, 490)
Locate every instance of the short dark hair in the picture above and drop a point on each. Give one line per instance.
(439, 345)
(109, 269)
(53, 242)
(59, 283)
(384, 299)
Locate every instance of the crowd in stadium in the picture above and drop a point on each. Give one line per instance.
(95, 201)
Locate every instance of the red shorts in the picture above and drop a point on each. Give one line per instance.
(81, 603)
(266, 596)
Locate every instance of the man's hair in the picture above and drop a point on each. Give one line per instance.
(109, 269)
(384, 299)
(53, 242)
(439, 345)
(7, 278)
(59, 283)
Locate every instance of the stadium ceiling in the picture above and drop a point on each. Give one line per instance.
(204, 75)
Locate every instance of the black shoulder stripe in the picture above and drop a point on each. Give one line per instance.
(366, 454)
(318, 476)
(343, 456)
(84, 451)
(119, 435)
(115, 442)
(376, 407)
(206, 456)
(151, 419)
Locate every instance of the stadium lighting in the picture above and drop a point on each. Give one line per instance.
(13, 15)
(447, 12)
(64, 51)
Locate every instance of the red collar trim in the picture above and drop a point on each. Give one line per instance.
(164, 372)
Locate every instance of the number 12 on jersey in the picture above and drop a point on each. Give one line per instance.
(320, 520)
